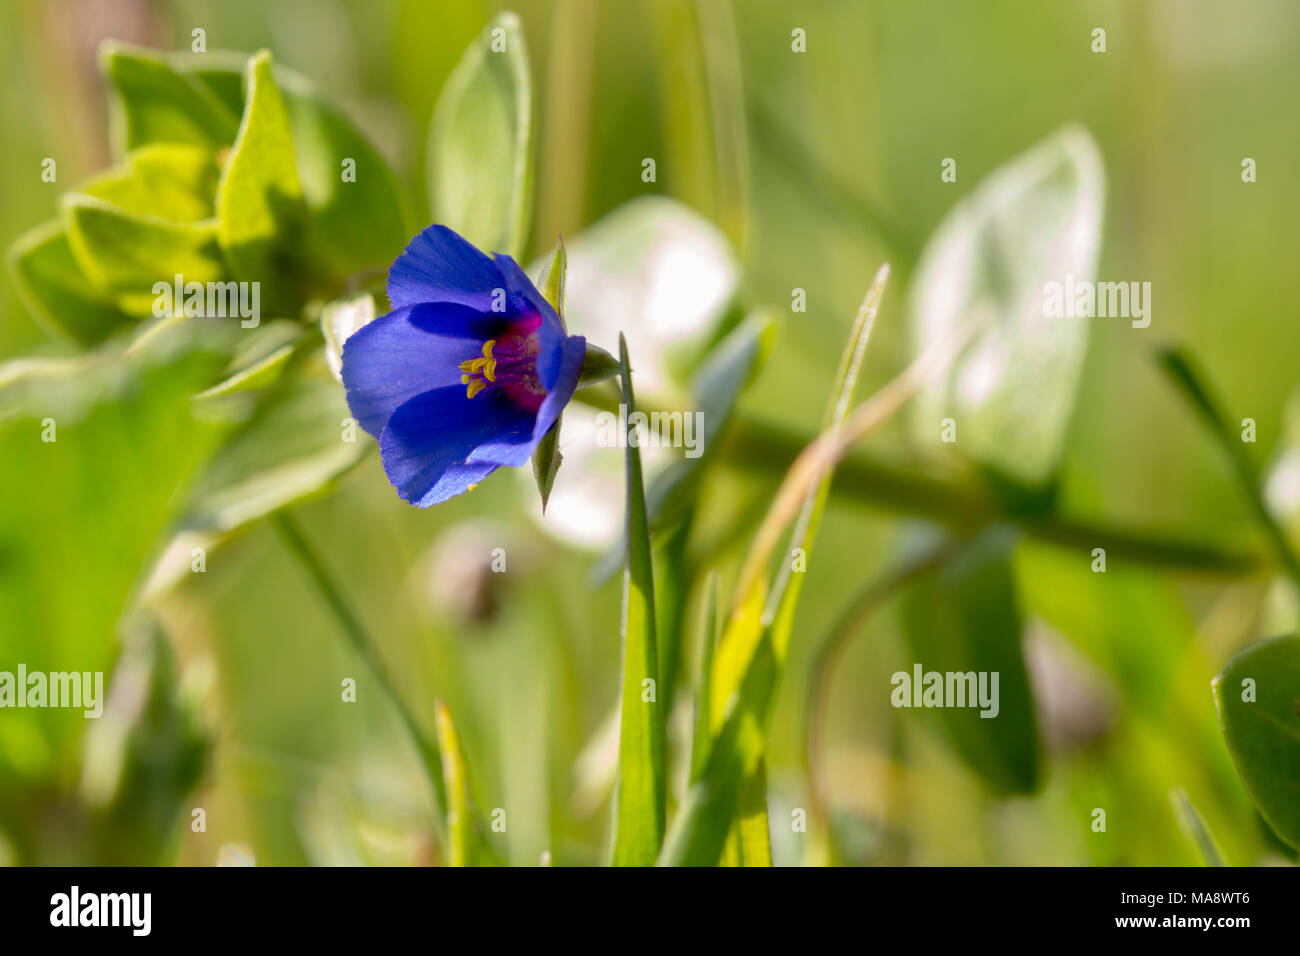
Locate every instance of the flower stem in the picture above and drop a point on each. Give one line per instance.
(350, 623)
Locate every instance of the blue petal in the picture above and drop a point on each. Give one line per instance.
(440, 266)
(406, 353)
(426, 443)
(516, 446)
(551, 331)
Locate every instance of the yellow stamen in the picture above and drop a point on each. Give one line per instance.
(477, 372)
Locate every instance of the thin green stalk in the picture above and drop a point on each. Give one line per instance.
(849, 623)
(1178, 366)
(761, 447)
(355, 632)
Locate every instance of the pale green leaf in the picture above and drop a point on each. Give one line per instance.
(1034, 221)
(129, 253)
(259, 200)
(259, 360)
(165, 180)
(339, 320)
(295, 445)
(1195, 827)
(480, 142)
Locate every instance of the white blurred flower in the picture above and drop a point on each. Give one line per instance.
(663, 275)
(653, 269)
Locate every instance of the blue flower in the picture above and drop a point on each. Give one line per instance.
(469, 371)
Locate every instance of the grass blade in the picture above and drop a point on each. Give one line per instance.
(703, 705)
(751, 655)
(1194, 824)
(460, 817)
(639, 796)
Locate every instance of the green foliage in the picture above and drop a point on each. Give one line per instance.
(355, 214)
(1256, 694)
(155, 103)
(547, 457)
(964, 618)
(125, 422)
(751, 653)
(1035, 220)
(126, 253)
(640, 794)
(259, 201)
(56, 291)
(146, 753)
(296, 443)
(732, 365)
(480, 142)
(183, 432)
(464, 829)
(1197, 829)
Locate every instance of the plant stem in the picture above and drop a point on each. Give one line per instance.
(1178, 366)
(430, 758)
(758, 446)
(828, 651)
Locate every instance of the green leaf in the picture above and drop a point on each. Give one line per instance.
(259, 201)
(546, 456)
(164, 180)
(145, 755)
(751, 655)
(1258, 697)
(88, 507)
(964, 617)
(461, 822)
(259, 360)
(1034, 221)
(57, 292)
(750, 840)
(673, 574)
(152, 102)
(546, 462)
(358, 216)
(128, 253)
(294, 446)
(729, 368)
(551, 283)
(640, 794)
(703, 690)
(1194, 825)
(480, 142)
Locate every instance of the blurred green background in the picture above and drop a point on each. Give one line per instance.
(831, 167)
